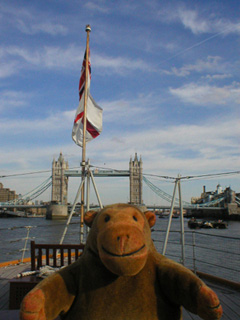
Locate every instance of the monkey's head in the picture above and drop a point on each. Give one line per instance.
(121, 236)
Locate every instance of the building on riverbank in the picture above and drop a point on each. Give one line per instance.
(6, 194)
(226, 199)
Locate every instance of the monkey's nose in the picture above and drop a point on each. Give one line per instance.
(122, 241)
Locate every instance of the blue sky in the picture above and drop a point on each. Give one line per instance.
(165, 73)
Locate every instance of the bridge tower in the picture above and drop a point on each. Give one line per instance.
(59, 181)
(135, 169)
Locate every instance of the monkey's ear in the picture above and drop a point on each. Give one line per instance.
(151, 218)
(89, 217)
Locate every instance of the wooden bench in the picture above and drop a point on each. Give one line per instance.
(53, 255)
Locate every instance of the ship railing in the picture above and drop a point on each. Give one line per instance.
(14, 246)
(213, 254)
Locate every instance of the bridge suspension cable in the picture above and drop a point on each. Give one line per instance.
(162, 193)
(33, 194)
(38, 190)
(168, 197)
(42, 185)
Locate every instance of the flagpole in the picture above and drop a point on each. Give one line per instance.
(83, 164)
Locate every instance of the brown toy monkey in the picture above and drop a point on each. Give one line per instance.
(120, 276)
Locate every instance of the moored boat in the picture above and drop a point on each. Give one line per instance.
(219, 224)
(194, 224)
(207, 225)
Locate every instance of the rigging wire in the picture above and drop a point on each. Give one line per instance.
(29, 173)
(146, 174)
(211, 175)
(24, 174)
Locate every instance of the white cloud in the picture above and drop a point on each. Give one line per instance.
(162, 147)
(211, 64)
(217, 76)
(206, 95)
(91, 5)
(199, 23)
(54, 122)
(191, 20)
(165, 148)
(165, 151)
(119, 65)
(8, 69)
(13, 99)
(48, 57)
(124, 111)
(54, 57)
(42, 27)
(31, 21)
(23, 158)
(119, 112)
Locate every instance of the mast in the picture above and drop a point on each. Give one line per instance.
(83, 163)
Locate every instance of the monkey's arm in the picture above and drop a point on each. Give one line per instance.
(47, 300)
(183, 287)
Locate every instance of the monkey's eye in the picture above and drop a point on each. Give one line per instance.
(107, 218)
(135, 218)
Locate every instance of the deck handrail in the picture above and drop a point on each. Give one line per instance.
(220, 257)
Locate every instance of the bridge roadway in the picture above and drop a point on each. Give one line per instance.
(22, 206)
(99, 173)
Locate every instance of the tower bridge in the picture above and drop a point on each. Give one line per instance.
(61, 174)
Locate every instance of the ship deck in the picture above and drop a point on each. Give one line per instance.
(229, 297)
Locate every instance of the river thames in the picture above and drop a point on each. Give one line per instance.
(221, 246)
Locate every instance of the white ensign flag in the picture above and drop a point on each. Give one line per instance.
(94, 121)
